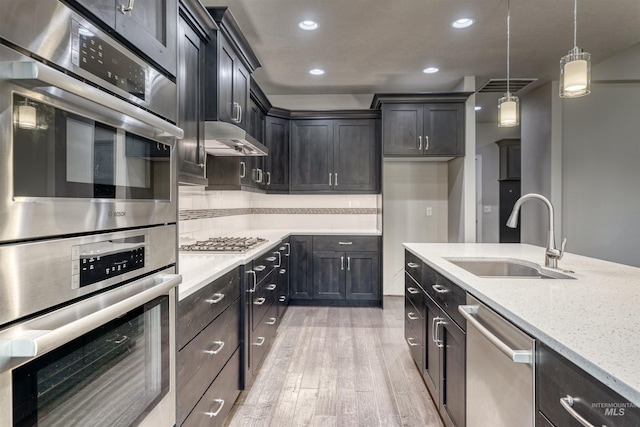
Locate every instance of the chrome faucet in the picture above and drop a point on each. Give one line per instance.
(552, 254)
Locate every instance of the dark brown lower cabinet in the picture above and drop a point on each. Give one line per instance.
(436, 341)
(445, 364)
(300, 268)
(558, 380)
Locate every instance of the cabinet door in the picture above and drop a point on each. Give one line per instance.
(227, 110)
(312, 155)
(191, 155)
(443, 129)
(328, 275)
(355, 156)
(431, 373)
(151, 26)
(453, 378)
(363, 276)
(402, 129)
(277, 162)
(301, 268)
(241, 81)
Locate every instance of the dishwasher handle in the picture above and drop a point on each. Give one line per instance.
(517, 356)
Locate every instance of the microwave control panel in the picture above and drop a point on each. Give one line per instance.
(101, 261)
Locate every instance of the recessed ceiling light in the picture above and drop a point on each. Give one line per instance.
(477, 108)
(430, 70)
(316, 72)
(462, 23)
(308, 25)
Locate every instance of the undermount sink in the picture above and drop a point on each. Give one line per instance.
(506, 268)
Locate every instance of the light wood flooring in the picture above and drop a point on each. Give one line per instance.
(338, 366)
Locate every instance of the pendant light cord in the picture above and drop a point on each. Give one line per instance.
(508, 41)
(575, 22)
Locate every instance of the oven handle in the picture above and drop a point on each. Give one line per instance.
(26, 70)
(35, 342)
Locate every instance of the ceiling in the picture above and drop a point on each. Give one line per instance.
(369, 46)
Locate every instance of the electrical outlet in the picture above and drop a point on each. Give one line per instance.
(429, 211)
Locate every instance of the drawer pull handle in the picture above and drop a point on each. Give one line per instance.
(283, 270)
(567, 404)
(413, 290)
(517, 356)
(215, 413)
(288, 245)
(260, 267)
(260, 341)
(271, 287)
(282, 248)
(259, 301)
(411, 343)
(220, 345)
(439, 289)
(282, 298)
(412, 316)
(255, 281)
(270, 258)
(272, 321)
(217, 298)
(345, 243)
(438, 341)
(412, 265)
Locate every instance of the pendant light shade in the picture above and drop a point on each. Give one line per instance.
(508, 111)
(508, 105)
(575, 67)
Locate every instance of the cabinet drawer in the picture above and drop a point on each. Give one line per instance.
(413, 265)
(414, 333)
(445, 293)
(414, 292)
(198, 310)
(263, 298)
(202, 359)
(215, 405)
(346, 243)
(265, 263)
(557, 378)
(262, 337)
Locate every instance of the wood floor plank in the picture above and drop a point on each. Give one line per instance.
(338, 366)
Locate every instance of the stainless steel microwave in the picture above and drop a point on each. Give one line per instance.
(84, 146)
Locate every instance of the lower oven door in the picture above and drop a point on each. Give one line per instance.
(105, 361)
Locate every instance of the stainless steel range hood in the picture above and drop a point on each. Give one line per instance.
(225, 139)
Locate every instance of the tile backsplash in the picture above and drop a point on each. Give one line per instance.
(204, 214)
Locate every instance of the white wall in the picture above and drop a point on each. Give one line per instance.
(409, 188)
(585, 154)
(601, 173)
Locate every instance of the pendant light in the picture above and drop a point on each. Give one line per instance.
(575, 67)
(508, 105)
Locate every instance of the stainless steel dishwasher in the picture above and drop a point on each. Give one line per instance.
(500, 369)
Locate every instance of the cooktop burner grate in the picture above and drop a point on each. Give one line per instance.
(224, 244)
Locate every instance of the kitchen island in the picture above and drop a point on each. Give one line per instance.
(591, 319)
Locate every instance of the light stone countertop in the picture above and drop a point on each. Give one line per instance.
(593, 321)
(198, 269)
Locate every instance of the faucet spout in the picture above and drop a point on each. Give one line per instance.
(552, 254)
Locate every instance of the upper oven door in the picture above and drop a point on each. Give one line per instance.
(76, 159)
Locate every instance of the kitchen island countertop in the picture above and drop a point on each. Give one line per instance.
(201, 268)
(592, 320)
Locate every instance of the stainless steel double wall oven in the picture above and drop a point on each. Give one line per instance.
(88, 203)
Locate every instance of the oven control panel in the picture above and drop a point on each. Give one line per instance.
(99, 261)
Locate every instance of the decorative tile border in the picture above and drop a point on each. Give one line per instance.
(188, 214)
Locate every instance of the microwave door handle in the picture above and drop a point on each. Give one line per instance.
(38, 73)
(32, 342)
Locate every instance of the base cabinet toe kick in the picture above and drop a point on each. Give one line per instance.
(481, 370)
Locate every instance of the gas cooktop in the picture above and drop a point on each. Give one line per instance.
(224, 244)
